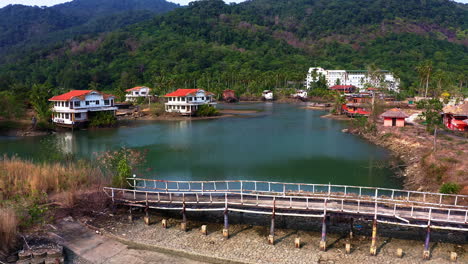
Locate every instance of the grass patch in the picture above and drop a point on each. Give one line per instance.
(450, 188)
(450, 160)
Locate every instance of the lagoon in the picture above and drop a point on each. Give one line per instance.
(281, 142)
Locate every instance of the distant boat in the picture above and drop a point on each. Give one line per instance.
(267, 95)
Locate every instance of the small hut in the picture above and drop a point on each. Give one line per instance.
(394, 117)
(229, 96)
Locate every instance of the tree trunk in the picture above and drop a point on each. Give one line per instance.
(435, 139)
(427, 84)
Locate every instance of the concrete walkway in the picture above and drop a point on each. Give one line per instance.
(95, 248)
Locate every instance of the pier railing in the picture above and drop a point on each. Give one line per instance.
(304, 189)
(305, 206)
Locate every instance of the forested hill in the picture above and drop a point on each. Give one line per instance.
(32, 26)
(259, 44)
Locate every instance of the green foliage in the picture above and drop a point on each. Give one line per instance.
(254, 46)
(124, 171)
(432, 113)
(450, 188)
(206, 110)
(39, 97)
(157, 109)
(121, 163)
(102, 119)
(12, 106)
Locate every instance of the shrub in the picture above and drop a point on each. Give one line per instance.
(101, 119)
(450, 188)
(157, 109)
(207, 110)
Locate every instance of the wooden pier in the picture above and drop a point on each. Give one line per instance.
(379, 205)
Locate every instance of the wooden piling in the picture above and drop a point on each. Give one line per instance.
(453, 256)
(130, 215)
(226, 224)
(351, 228)
(271, 237)
(204, 230)
(183, 225)
(348, 248)
(164, 223)
(399, 252)
(323, 241)
(427, 253)
(297, 242)
(373, 248)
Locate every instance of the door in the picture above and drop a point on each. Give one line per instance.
(393, 121)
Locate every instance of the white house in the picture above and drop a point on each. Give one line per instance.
(136, 92)
(356, 78)
(267, 95)
(76, 107)
(300, 94)
(187, 101)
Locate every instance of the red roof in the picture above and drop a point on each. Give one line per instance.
(183, 92)
(76, 93)
(458, 122)
(342, 87)
(135, 88)
(372, 89)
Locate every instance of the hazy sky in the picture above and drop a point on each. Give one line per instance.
(54, 2)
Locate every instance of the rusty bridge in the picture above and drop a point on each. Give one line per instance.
(379, 205)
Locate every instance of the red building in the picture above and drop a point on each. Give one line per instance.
(456, 117)
(229, 96)
(394, 117)
(344, 88)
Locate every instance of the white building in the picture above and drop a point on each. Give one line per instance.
(267, 95)
(187, 101)
(76, 107)
(137, 92)
(357, 78)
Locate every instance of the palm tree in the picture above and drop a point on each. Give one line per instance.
(425, 69)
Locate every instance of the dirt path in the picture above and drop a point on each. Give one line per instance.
(91, 247)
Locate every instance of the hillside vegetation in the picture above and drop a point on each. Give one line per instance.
(259, 44)
(26, 28)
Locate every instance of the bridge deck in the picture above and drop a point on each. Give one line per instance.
(386, 205)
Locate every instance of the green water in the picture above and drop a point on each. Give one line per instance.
(282, 142)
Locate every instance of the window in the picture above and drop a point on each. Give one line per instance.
(77, 115)
(106, 102)
(77, 103)
(87, 102)
(143, 93)
(97, 102)
(67, 116)
(136, 93)
(66, 104)
(63, 104)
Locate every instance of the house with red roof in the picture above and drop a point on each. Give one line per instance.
(187, 101)
(456, 117)
(75, 108)
(137, 92)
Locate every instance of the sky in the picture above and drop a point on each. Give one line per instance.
(54, 2)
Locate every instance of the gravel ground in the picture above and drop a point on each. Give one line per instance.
(248, 243)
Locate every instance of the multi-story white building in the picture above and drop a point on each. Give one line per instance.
(357, 78)
(187, 101)
(76, 107)
(137, 92)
